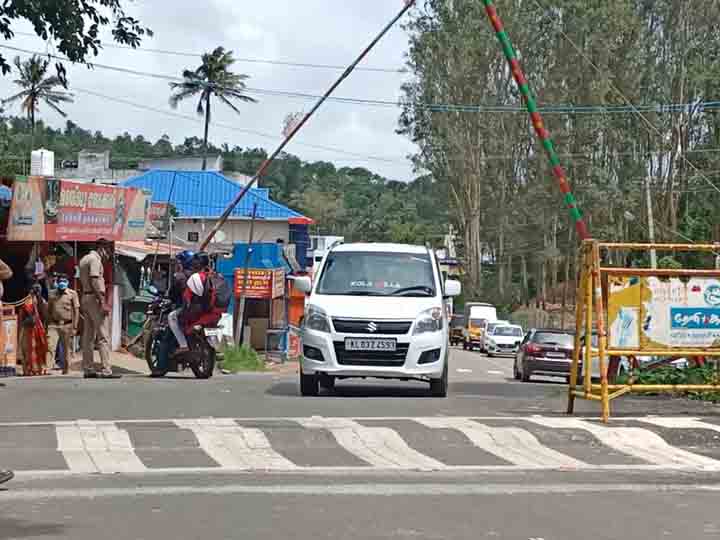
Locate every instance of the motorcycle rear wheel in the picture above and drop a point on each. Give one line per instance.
(204, 367)
(151, 358)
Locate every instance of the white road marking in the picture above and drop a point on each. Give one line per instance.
(494, 372)
(512, 444)
(150, 421)
(90, 447)
(680, 423)
(379, 446)
(638, 442)
(235, 447)
(461, 370)
(373, 489)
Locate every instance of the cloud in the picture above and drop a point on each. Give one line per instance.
(311, 31)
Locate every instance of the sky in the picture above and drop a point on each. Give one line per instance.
(311, 31)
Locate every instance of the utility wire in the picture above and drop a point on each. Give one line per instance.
(232, 128)
(246, 60)
(431, 107)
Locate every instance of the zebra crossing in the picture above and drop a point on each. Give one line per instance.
(324, 444)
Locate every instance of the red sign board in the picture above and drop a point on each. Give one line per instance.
(54, 210)
(261, 283)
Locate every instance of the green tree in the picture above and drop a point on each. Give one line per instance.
(37, 87)
(76, 25)
(212, 78)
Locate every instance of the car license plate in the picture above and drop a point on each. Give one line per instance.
(357, 344)
(555, 355)
(216, 332)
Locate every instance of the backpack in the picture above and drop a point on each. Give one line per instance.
(217, 291)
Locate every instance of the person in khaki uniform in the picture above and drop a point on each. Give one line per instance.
(96, 312)
(63, 319)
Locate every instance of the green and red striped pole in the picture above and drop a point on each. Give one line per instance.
(537, 121)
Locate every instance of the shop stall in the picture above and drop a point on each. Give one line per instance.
(52, 223)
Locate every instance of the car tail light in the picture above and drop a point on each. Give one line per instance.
(532, 349)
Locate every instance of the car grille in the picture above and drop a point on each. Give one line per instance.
(371, 358)
(507, 346)
(381, 328)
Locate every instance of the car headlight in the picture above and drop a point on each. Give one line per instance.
(429, 321)
(490, 343)
(316, 319)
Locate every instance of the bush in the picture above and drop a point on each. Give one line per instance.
(243, 358)
(672, 375)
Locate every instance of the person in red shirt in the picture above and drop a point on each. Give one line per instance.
(197, 308)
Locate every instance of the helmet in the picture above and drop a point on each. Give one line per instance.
(185, 258)
(202, 259)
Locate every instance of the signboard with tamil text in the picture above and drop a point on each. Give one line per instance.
(662, 313)
(54, 210)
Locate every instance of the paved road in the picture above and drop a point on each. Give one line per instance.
(245, 456)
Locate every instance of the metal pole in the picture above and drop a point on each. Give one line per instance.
(651, 223)
(531, 105)
(240, 321)
(261, 171)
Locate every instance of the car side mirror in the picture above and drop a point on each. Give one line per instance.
(303, 284)
(453, 288)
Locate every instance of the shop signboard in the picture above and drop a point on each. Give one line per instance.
(261, 283)
(663, 313)
(54, 210)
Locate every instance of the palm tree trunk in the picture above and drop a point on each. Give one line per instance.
(32, 127)
(207, 127)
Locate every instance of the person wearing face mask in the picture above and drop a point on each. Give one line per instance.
(96, 312)
(63, 319)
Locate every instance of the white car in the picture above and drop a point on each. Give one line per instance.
(503, 339)
(376, 310)
(488, 330)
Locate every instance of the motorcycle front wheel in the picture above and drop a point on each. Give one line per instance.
(203, 364)
(152, 358)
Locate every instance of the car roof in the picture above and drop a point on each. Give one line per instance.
(381, 248)
(552, 331)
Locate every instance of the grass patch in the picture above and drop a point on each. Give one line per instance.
(240, 359)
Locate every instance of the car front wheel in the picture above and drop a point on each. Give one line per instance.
(439, 387)
(309, 384)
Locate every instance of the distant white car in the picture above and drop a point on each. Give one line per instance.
(504, 339)
(488, 330)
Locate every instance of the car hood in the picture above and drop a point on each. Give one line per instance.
(374, 307)
(505, 340)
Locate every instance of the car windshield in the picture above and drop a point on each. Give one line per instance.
(508, 331)
(377, 274)
(554, 338)
(457, 322)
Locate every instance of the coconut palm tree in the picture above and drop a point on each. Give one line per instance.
(212, 78)
(37, 87)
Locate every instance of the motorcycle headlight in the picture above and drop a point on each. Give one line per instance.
(316, 319)
(429, 321)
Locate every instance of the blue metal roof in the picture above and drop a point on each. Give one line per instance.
(206, 194)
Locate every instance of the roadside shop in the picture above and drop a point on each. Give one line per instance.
(51, 224)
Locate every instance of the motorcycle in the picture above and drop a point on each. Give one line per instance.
(160, 344)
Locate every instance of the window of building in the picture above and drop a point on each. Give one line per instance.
(193, 236)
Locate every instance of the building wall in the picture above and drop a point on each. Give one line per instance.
(108, 176)
(236, 231)
(214, 163)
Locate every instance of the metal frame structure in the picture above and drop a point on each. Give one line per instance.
(592, 313)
